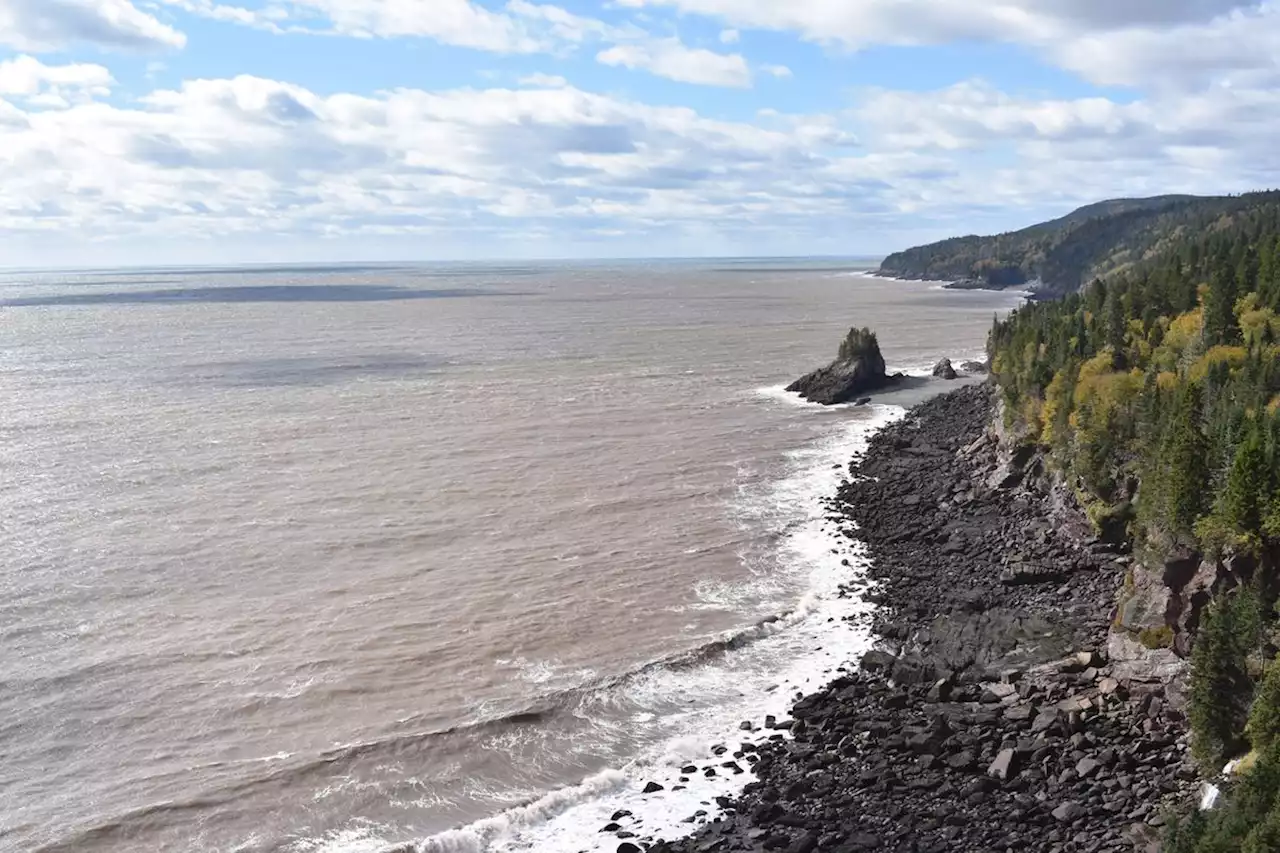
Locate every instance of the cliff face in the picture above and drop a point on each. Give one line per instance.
(1061, 256)
(858, 369)
(1160, 602)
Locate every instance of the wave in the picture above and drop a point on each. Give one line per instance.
(475, 838)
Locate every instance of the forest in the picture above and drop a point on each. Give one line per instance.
(1155, 392)
(1058, 257)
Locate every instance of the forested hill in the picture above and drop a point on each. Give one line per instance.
(1065, 254)
(1155, 394)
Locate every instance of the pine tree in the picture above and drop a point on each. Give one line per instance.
(1184, 462)
(1220, 681)
(1220, 325)
(1247, 487)
(1264, 718)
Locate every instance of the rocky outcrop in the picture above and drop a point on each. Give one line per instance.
(944, 370)
(858, 369)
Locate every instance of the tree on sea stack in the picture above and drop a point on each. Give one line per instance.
(860, 343)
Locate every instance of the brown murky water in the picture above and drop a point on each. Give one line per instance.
(322, 559)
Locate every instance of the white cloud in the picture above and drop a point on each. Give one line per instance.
(671, 59)
(1240, 46)
(457, 22)
(858, 23)
(229, 14)
(550, 81)
(776, 70)
(730, 36)
(49, 25)
(52, 85)
(252, 157)
(1131, 42)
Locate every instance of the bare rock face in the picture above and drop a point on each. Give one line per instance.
(944, 370)
(857, 370)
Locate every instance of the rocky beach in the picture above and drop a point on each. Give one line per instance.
(989, 717)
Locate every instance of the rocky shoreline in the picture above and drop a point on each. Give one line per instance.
(988, 718)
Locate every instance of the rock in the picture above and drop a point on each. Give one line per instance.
(653, 788)
(1086, 767)
(1004, 765)
(628, 847)
(878, 661)
(974, 367)
(858, 368)
(1068, 812)
(944, 370)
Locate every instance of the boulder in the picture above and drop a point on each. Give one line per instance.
(1068, 812)
(858, 368)
(944, 370)
(974, 367)
(1003, 766)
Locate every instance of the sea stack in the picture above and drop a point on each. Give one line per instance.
(857, 370)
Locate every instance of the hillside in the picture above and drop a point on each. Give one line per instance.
(1065, 254)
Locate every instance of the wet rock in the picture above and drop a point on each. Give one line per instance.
(944, 370)
(652, 788)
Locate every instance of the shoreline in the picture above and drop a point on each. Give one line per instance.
(987, 716)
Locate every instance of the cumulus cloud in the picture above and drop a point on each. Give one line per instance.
(254, 156)
(776, 70)
(866, 22)
(1135, 42)
(730, 36)
(671, 59)
(550, 81)
(27, 78)
(49, 25)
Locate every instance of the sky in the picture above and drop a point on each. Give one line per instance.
(204, 131)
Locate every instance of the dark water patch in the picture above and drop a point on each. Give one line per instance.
(760, 270)
(306, 370)
(258, 293)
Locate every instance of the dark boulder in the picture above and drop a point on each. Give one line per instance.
(944, 370)
(858, 368)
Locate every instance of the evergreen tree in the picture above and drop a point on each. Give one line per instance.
(1220, 308)
(1264, 718)
(1184, 462)
(1247, 488)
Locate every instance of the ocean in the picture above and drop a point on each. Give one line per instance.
(332, 558)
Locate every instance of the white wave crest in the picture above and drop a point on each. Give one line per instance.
(481, 835)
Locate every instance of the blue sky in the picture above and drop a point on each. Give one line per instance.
(191, 131)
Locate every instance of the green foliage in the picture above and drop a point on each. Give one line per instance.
(1144, 395)
(1264, 718)
(859, 343)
